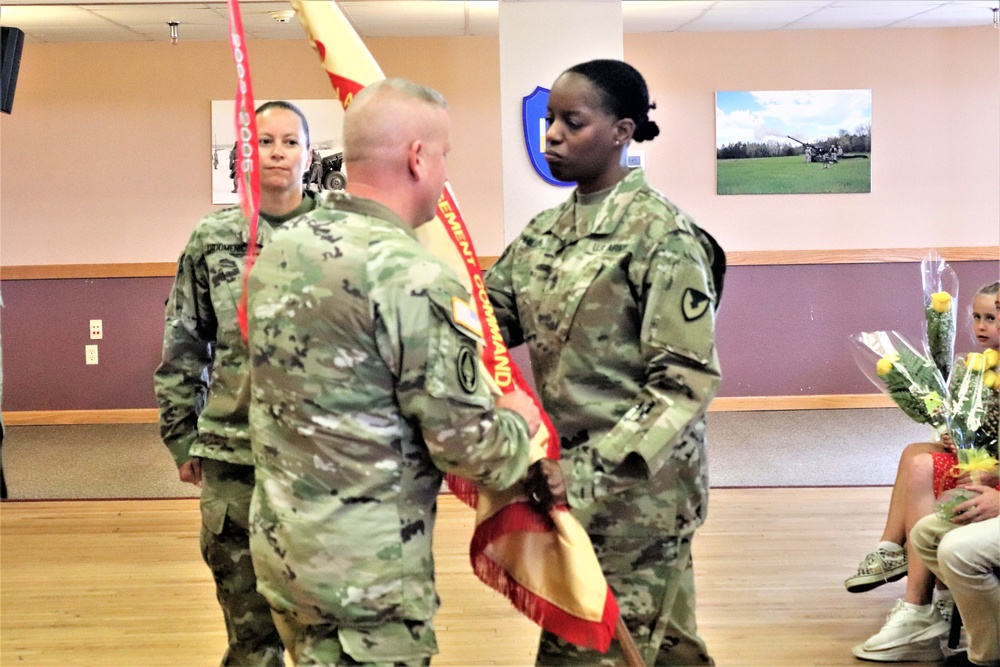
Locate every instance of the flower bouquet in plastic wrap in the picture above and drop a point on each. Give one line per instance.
(973, 407)
(908, 377)
(940, 296)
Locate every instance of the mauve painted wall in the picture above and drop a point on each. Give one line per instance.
(782, 330)
(46, 324)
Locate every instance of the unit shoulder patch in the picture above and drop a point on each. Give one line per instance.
(467, 367)
(694, 304)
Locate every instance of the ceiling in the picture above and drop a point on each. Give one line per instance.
(136, 21)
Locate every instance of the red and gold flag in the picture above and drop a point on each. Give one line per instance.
(544, 564)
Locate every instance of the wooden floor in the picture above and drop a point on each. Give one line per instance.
(121, 582)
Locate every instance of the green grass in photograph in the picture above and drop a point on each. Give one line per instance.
(791, 175)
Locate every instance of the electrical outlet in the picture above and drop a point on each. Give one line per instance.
(96, 329)
(91, 353)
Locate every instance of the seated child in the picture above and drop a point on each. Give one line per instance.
(916, 623)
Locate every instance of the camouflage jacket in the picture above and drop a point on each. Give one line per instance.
(619, 320)
(202, 383)
(365, 387)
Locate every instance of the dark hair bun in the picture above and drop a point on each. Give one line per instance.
(646, 131)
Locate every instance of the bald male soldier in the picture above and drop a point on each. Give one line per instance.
(364, 388)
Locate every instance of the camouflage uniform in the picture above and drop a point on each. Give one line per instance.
(202, 387)
(615, 302)
(365, 387)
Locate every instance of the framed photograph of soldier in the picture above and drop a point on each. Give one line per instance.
(793, 141)
(325, 119)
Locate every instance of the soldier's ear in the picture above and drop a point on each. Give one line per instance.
(415, 158)
(624, 128)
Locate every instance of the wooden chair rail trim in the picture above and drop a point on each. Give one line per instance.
(858, 256)
(735, 258)
(75, 271)
(722, 404)
(54, 417)
(815, 402)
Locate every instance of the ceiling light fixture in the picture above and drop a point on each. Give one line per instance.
(996, 18)
(173, 31)
(283, 16)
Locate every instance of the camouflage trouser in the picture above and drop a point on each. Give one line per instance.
(409, 644)
(225, 545)
(654, 585)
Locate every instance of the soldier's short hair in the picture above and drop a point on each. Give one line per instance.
(409, 88)
(379, 103)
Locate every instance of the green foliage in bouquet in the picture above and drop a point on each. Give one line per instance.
(974, 403)
(939, 315)
(913, 382)
(973, 407)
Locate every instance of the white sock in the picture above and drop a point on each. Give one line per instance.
(924, 609)
(890, 546)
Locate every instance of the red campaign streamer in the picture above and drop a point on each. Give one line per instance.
(247, 157)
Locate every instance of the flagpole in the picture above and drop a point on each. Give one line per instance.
(631, 652)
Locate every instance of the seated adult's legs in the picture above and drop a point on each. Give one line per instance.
(966, 558)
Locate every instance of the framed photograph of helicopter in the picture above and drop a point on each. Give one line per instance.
(793, 141)
(325, 119)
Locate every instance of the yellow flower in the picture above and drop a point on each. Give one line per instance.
(992, 358)
(941, 302)
(976, 362)
(884, 364)
(991, 380)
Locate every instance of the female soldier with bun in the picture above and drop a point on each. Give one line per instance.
(613, 292)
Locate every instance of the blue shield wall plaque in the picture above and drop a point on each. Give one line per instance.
(534, 108)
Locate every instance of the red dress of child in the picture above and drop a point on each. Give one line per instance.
(943, 479)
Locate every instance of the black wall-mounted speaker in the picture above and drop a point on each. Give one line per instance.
(11, 41)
